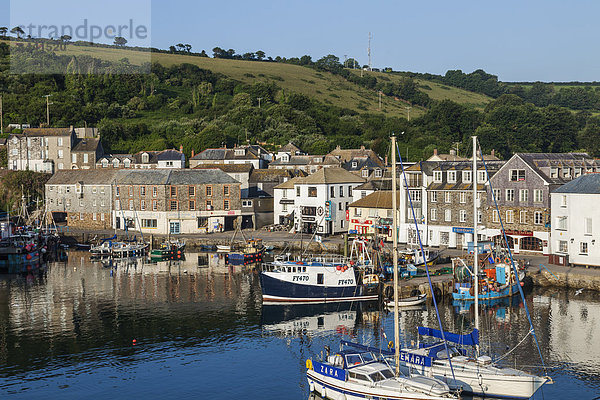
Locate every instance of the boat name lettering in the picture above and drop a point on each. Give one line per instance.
(329, 371)
(415, 359)
(300, 278)
(346, 282)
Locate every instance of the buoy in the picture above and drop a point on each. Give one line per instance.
(134, 341)
(338, 267)
(28, 256)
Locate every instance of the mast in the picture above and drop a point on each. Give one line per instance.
(475, 244)
(395, 258)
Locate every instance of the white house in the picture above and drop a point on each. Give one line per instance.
(321, 200)
(575, 218)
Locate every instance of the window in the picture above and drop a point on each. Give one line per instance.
(588, 226)
(553, 172)
(74, 158)
(130, 191)
(495, 216)
(463, 215)
(496, 193)
(154, 191)
(561, 222)
(566, 172)
(563, 200)
(517, 175)
(60, 141)
(524, 195)
(510, 216)
(312, 191)
(538, 218)
(142, 190)
(143, 205)
(342, 191)
(115, 163)
(118, 204)
(563, 246)
(434, 214)
(154, 205)
(354, 164)
(104, 163)
(60, 154)
(452, 176)
(208, 191)
(93, 204)
(577, 172)
(101, 216)
(226, 190)
(173, 191)
(415, 195)
(447, 215)
(192, 205)
(363, 194)
(364, 173)
(538, 195)
(523, 217)
(145, 158)
(479, 217)
(378, 173)
(173, 205)
(85, 158)
(15, 152)
(510, 194)
(466, 176)
(437, 176)
(447, 197)
(81, 216)
(297, 191)
(481, 176)
(225, 204)
(583, 248)
(61, 166)
(433, 197)
(209, 205)
(149, 223)
(131, 205)
(284, 207)
(357, 212)
(463, 197)
(340, 206)
(332, 192)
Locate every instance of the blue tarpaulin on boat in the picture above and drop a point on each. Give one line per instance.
(470, 339)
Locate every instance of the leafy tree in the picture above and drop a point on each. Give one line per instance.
(65, 38)
(17, 30)
(3, 31)
(120, 41)
(329, 63)
(260, 55)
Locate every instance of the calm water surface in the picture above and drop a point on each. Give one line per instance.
(200, 331)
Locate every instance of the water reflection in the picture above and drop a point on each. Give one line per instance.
(68, 331)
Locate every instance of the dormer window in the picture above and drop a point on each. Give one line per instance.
(378, 173)
(116, 163)
(240, 152)
(451, 176)
(354, 164)
(437, 176)
(104, 163)
(317, 159)
(285, 158)
(145, 158)
(365, 173)
(126, 163)
(466, 176)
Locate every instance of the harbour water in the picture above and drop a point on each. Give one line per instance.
(197, 329)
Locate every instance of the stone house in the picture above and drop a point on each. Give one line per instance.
(82, 198)
(41, 149)
(176, 201)
(85, 153)
(522, 189)
(244, 154)
(163, 159)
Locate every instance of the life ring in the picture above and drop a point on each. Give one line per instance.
(507, 260)
(309, 364)
(497, 260)
(390, 344)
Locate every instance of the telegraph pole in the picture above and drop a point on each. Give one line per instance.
(379, 100)
(1, 122)
(47, 109)
(369, 51)
(408, 110)
(259, 99)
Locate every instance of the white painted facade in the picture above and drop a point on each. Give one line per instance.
(172, 222)
(575, 221)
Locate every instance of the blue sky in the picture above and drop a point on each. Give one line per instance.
(516, 40)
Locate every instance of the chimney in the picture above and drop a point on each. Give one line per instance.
(386, 160)
(338, 147)
(435, 152)
(493, 152)
(181, 149)
(192, 153)
(362, 147)
(452, 152)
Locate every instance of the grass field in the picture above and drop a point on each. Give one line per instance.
(322, 86)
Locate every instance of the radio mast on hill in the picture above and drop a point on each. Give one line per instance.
(369, 51)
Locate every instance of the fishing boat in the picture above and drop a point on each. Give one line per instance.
(419, 258)
(251, 254)
(319, 279)
(471, 372)
(359, 371)
(169, 250)
(498, 283)
(110, 247)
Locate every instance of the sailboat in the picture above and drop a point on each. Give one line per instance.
(357, 371)
(477, 375)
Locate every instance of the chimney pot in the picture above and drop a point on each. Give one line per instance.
(181, 148)
(435, 152)
(493, 152)
(192, 152)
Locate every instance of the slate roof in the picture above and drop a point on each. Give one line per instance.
(585, 184)
(47, 131)
(540, 161)
(290, 148)
(308, 160)
(289, 184)
(142, 177)
(252, 152)
(361, 163)
(229, 168)
(459, 166)
(373, 184)
(86, 145)
(87, 176)
(270, 175)
(345, 155)
(380, 199)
